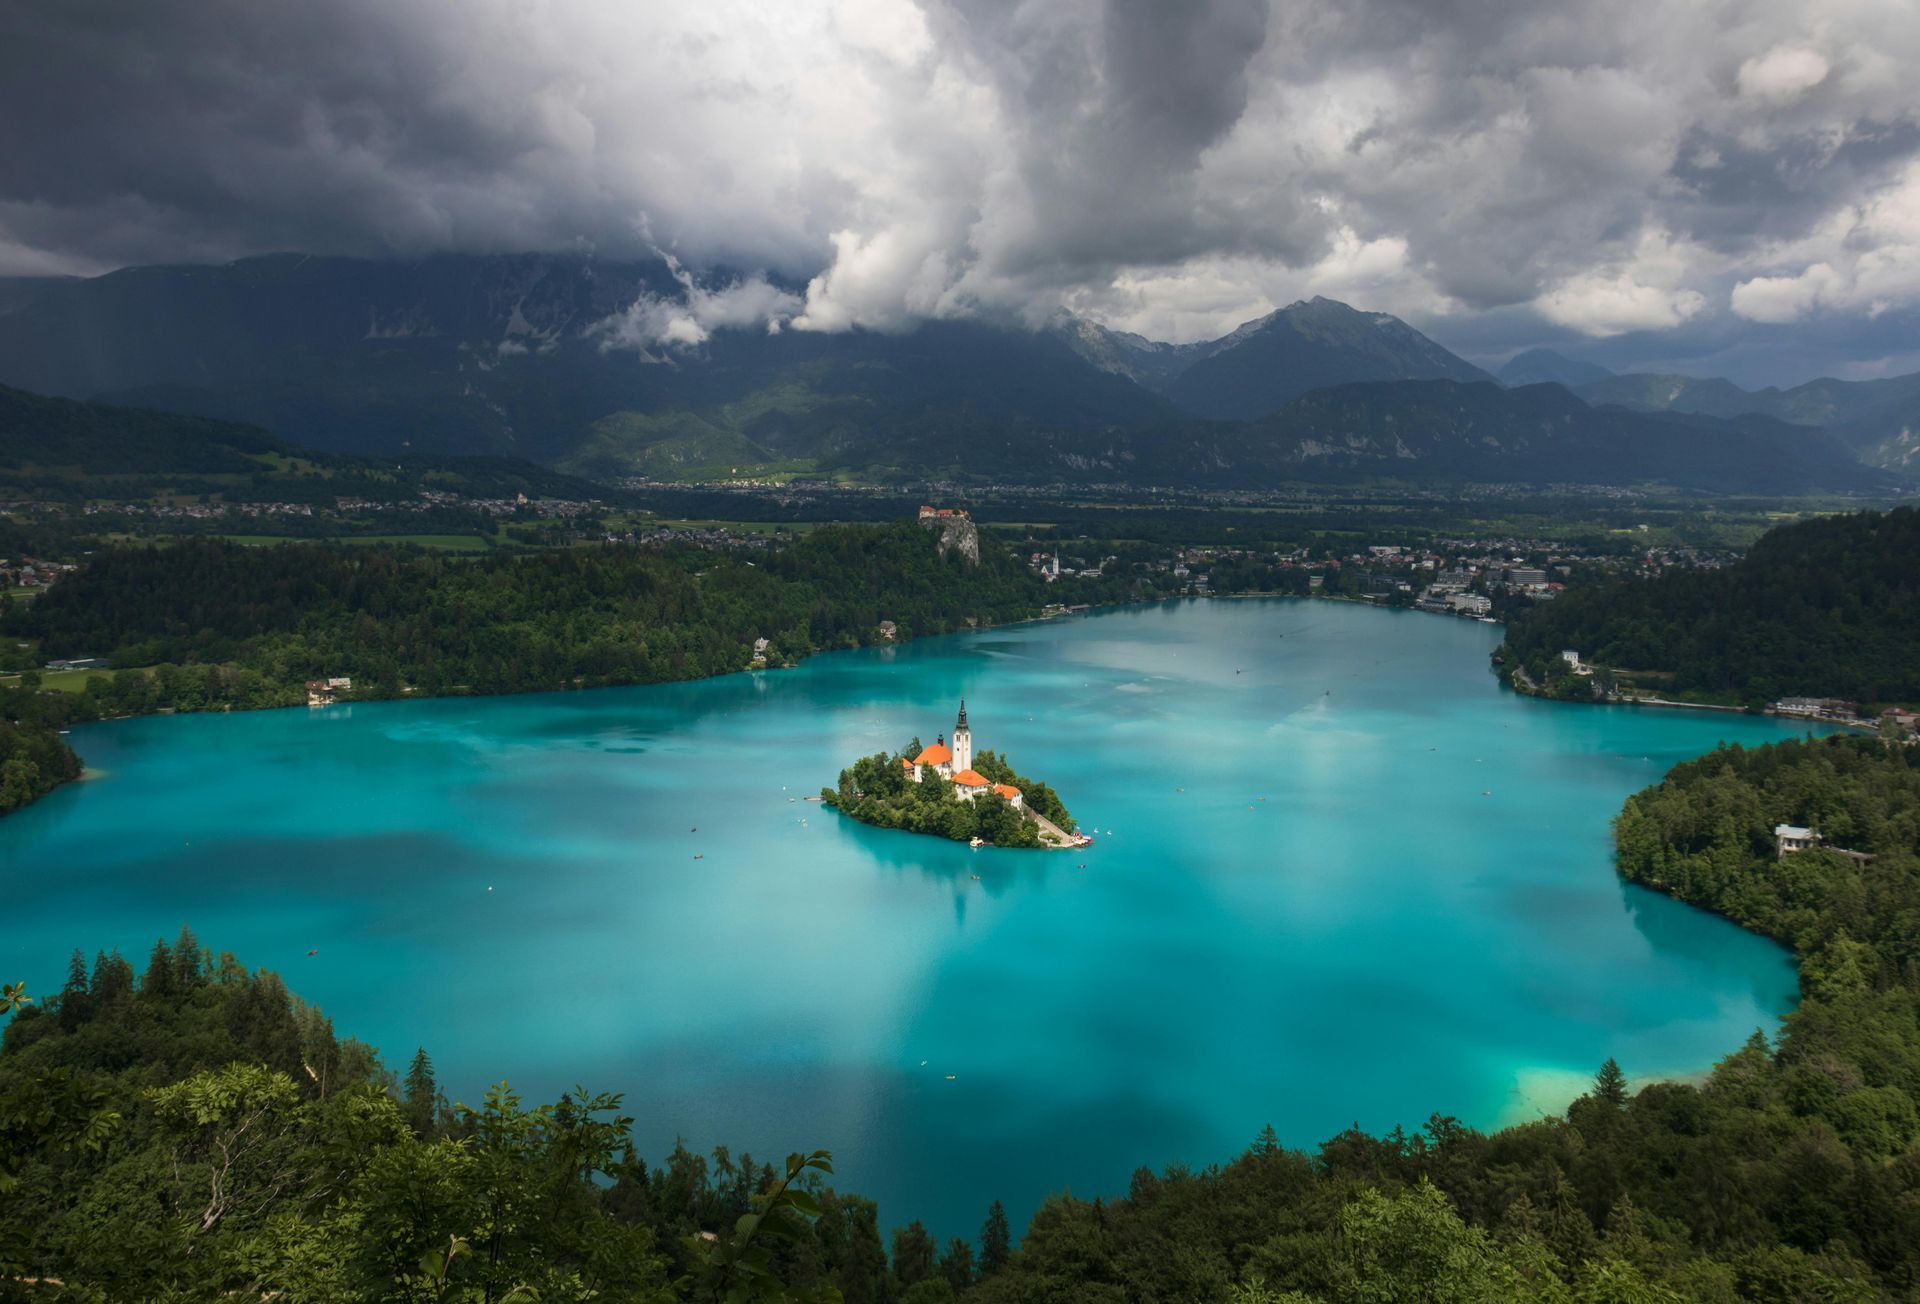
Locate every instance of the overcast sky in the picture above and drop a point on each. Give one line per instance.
(1725, 186)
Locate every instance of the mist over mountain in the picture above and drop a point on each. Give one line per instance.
(610, 369)
(1878, 419)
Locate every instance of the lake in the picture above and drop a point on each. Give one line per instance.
(1341, 876)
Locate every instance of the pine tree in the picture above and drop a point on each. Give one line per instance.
(157, 983)
(913, 1252)
(996, 1241)
(186, 961)
(76, 1005)
(1610, 1084)
(956, 1265)
(420, 1093)
(112, 979)
(1268, 1142)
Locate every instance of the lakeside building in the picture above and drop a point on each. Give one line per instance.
(1818, 708)
(1791, 838)
(954, 763)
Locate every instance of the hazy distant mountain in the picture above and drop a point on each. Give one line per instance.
(506, 355)
(1878, 419)
(1445, 431)
(1440, 432)
(1268, 363)
(1539, 366)
(1151, 363)
(66, 448)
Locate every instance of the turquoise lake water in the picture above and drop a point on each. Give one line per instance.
(1386, 890)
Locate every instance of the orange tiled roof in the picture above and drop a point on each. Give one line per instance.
(969, 779)
(1006, 790)
(934, 755)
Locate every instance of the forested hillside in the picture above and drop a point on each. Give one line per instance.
(63, 449)
(206, 624)
(199, 1133)
(34, 758)
(495, 624)
(1825, 608)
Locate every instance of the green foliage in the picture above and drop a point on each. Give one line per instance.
(878, 790)
(210, 625)
(1828, 608)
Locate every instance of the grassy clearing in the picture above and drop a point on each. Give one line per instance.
(65, 681)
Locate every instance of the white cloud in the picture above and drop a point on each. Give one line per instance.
(654, 321)
(1170, 168)
(1644, 289)
(1783, 298)
(1862, 258)
(1602, 304)
(1785, 72)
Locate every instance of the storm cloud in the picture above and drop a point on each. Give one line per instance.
(1689, 181)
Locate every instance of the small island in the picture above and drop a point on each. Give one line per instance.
(948, 791)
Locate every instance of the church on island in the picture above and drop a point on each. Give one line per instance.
(954, 762)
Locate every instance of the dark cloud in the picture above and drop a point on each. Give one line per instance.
(1630, 175)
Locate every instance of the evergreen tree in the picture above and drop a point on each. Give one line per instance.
(913, 1251)
(75, 1001)
(112, 979)
(420, 1095)
(861, 1274)
(1268, 1142)
(956, 1265)
(996, 1241)
(157, 983)
(187, 973)
(1610, 1084)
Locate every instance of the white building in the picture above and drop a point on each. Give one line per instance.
(1792, 838)
(954, 762)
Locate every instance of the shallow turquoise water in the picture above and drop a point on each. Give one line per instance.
(1420, 916)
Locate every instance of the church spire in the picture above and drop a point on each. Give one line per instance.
(962, 722)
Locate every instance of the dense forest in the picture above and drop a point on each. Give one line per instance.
(1824, 608)
(611, 614)
(203, 624)
(877, 790)
(198, 1132)
(34, 758)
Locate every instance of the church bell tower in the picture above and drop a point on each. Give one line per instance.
(962, 741)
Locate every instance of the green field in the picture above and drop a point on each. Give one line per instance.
(65, 681)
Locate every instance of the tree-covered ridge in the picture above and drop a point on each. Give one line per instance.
(878, 790)
(61, 448)
(610, 614)
(198, 1133)
(1827, 608)
(34, 758)
(206, 624)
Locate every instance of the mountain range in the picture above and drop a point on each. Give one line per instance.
(523, 356)
(60, 448)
